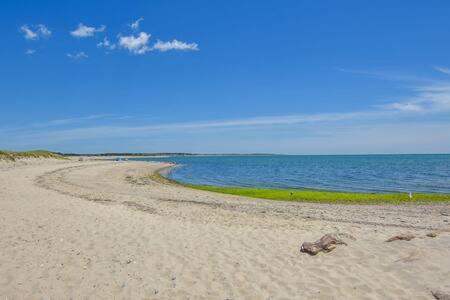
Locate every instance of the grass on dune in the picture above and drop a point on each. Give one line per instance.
(14, 155)
(312, 195)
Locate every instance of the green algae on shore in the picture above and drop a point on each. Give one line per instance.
(306, 195)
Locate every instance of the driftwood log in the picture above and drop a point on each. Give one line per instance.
(439, 295)
(326, 243)
(401, 237)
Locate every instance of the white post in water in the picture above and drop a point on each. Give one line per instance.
(410, 196)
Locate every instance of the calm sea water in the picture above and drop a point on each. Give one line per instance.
(355, 173)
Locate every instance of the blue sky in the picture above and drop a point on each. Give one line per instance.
(297, 77)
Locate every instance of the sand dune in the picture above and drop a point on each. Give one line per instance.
(98, 229)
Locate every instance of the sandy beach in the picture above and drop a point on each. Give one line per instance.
(102, 230)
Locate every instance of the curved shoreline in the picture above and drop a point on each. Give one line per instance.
(309, 195)
(111, 190)
(367, 175)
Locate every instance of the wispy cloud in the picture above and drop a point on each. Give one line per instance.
(135, 44)
(58, 123)
(35, 32)
(114, 131)
(404, 107)
(67, 121)
(135, 25)
(28, 33)
(106, 43)
(429, 95)
(442, 70)
(30, 51)
(430, 102)
(384, 75)
(430, 98)
(77, 56)
(83, 31)
(175, 45)
(319, 133)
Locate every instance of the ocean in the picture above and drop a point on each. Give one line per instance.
(428, 173)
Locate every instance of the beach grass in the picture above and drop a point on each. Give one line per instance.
(319, 196)
(14, 155)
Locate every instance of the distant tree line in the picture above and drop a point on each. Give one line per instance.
(127, 154)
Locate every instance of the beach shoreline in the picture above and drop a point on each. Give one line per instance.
(102, 229)
(354, 174)
(305, 194)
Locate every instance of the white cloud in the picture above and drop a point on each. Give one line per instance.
(434, 98)
(84, 31)
(135, 44)
(442, 70)
(404, 107)
(139, 44)
(175, 45)
(30, 51)
(35, 32)
(430, 98)
(135, 25)
(106, 44)
(28, 33)
(77, 56)
(43, 30)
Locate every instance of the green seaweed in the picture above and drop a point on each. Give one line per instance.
(305, 195)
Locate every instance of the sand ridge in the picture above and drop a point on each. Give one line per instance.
(99, 230)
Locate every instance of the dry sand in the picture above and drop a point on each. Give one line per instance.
(98, 230)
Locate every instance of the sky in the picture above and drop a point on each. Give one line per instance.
(291, 77)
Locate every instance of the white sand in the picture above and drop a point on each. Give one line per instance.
(96, 229)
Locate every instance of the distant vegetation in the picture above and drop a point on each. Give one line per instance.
(126, 154)
(14, 155)
(158, 154)
(311, 195)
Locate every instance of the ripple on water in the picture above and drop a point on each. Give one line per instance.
(353, 173)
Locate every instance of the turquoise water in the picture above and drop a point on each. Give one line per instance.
(353, 173)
